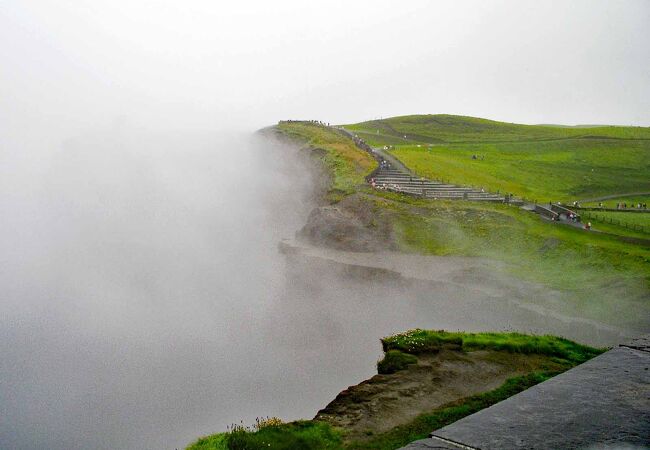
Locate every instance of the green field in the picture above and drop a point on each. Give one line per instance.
(531, 161)
(631, 201)
(624, 223)
(593, 268)
(444, 128)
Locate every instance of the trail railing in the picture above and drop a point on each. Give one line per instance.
(617, 222)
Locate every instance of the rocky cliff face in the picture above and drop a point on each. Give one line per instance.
(351, 224)
(389, 400)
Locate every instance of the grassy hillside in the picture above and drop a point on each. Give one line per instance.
(593, 268)
(630, 201)
(623, 223)
(444, 128)
(532, 161)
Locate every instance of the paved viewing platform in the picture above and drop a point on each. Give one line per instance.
(603, 403)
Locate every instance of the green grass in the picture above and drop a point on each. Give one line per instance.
(590, 269)
(444, 128)
(346, 164)
(623, 223)
(395, 360)
(214, 442)
(532, 161)
(418, 341)
(302, 434)
(563, 170)
(611, 203)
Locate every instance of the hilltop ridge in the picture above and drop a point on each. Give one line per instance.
(447, 128)
(540, 163)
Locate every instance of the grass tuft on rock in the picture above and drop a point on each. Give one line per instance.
(302, 434)
(395, 360)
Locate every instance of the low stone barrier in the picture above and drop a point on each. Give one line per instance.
(546, 212)
(564, 210)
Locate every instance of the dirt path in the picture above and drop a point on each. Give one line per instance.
(609, 197)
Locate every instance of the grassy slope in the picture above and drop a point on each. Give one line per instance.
(642, 219)
(306, 435)
(593, 268)
(345, 163)
(463, 129)
(533, 161)
(611, 203)
(627, 224)
(418, 341)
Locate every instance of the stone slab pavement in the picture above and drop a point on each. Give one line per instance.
(603, 403)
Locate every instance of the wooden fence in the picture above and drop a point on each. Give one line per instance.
(614, 221)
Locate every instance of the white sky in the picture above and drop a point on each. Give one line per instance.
(201, 64)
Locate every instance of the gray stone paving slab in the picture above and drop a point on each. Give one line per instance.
(603, 401)
(428, 444)
(639, 343)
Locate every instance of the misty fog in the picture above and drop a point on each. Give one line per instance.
(144, 301)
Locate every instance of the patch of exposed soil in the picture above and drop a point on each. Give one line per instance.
(386, 401)
(353, 224)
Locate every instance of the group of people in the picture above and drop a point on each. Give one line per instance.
(620, 205)
(389, 186)
(314, 122)
(623, 205)
(362, 144)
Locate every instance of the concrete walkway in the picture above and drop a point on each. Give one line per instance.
(603, 403)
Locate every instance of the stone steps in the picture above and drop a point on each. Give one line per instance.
(397, 180)
(450, 194)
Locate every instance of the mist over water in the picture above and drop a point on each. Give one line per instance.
(136, 271)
